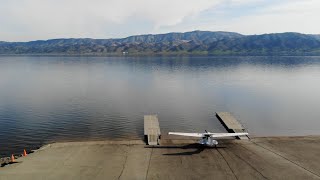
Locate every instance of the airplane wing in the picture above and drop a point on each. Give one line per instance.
(187, 134)
(227, 134)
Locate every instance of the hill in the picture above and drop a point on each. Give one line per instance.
(195, 42)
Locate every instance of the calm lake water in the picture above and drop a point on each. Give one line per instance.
(48, 99)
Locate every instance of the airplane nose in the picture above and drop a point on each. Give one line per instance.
(215, 142)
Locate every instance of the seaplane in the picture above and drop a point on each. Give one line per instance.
(207, 138)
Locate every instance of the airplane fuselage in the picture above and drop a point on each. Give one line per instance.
(208, 141)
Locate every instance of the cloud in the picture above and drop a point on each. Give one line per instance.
(306, 6)
(23, 20)
(293, 16)
(78, 18)
(259, 17)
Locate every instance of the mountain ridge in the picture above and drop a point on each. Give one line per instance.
(193, 42)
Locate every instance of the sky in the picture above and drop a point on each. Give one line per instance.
(26, 20)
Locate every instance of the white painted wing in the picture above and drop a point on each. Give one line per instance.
(227, 134)
(187, 134)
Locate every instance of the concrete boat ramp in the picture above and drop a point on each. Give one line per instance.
(259, 158)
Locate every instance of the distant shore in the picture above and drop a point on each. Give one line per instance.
(217, 43)
(165, 55)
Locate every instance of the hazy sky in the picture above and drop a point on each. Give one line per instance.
(24, 20)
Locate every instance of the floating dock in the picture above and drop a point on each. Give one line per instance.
(152, 130)
(231, 123)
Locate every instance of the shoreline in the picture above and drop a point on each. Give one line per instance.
(162, 55)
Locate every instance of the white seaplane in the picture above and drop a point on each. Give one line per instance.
(207, 137)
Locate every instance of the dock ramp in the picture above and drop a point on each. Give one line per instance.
(152, 130)
(231, 124)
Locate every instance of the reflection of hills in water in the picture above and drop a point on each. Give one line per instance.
(45, 99)
(208, 62)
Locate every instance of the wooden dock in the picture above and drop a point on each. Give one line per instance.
(152, 130)
(231, 124)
